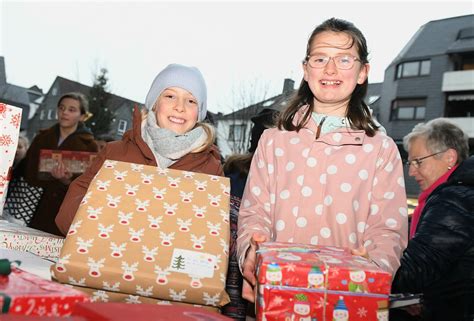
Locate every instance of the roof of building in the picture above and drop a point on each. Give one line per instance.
(435, 36)
(18, 96)
(66, 85)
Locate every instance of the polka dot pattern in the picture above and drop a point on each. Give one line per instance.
(331, 191)
(256, 191)
(325, 232)
(311, 162)
(301, 222)
(346, 187)
(306, 191)
(350, 159)
(285, 194)
(290, 166)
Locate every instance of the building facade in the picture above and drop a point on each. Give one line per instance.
(432, 76)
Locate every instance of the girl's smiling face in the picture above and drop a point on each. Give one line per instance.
(331, 86)
(176, 109)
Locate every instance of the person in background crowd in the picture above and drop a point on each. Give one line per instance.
(326, 175)
(237, 168)
(102, 140)
(170, 134)
(70, 134)
(439, 259)
(21, 149)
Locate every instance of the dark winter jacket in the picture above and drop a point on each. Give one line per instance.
(439, 260)
(132, 148)
(54, 191)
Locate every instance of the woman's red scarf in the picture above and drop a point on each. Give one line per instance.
(422, 200)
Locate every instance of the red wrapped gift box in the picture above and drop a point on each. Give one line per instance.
(22, 293)
(305, 282)
(144, 312)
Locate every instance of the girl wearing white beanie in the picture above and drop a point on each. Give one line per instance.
(169, 134)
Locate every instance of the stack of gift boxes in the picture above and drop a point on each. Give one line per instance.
(305, 282)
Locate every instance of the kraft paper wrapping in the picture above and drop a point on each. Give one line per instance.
(152, 232)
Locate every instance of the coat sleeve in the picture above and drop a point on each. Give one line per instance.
(254, 213)
(443, 236)
(77, 190)
(386, 231)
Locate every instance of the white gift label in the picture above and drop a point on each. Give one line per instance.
(193, 263)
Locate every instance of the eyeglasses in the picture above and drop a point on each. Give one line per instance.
(342, 62)
(416, 162)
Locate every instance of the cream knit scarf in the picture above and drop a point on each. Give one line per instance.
(168, 146)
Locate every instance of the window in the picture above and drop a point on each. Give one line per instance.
(42, 115)
(408, 109)
(236, 132)
(413, 69)
(52, 114)
(122, 126)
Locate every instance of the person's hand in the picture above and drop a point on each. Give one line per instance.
(61, 173)
(248, 269)
(361, 251)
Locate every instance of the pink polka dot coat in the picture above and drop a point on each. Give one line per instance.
(342, 189)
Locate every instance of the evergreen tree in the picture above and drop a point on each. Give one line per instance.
(179, 263)
(102, 117)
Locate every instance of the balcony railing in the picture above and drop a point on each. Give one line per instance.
(458, 80)
(466, 124)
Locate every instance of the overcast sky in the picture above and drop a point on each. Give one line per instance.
(234, 44)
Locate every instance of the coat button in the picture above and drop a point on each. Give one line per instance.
(357, 139)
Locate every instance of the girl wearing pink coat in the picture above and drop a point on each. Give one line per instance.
(327, 175)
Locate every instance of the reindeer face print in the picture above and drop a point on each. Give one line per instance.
(74, 227)
(120, 176)
(128, 270)
(135, 236)
(167, 239)
(161, 275)
(117, 250)
(124, 218)
(131, 190)
(61, 264)
(102, 185)
(214, 200)
(149, 254)
(110, 163)
(113, 201)
(83, 245)
(173, 182)
(142, 205)
(154, 221)
(95, 266)
(93, 213)
(200, 186)
(159, 194)
(104, 231)
(147, 179)
(170, 209)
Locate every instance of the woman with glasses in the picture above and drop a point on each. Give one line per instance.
(327, 175)
(439, 259)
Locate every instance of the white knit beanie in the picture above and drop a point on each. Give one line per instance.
(188, 78)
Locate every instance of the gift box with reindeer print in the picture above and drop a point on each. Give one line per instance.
(152, 232)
